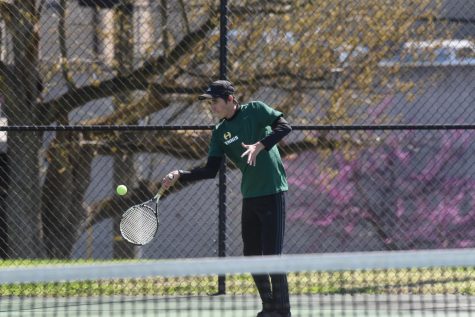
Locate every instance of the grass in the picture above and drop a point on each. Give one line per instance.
(37, 262)
(416, 281)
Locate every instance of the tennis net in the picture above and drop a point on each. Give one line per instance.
(399, 283)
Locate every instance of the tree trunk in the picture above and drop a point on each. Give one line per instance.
(23, 201)
(65, 184)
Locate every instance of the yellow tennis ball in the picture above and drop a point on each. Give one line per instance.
(121, 190)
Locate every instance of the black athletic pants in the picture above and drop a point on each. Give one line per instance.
(263, 225)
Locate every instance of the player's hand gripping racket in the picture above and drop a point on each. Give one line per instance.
(139, 223)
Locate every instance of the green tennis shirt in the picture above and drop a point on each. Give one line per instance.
(249, 125)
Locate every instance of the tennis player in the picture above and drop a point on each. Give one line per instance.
(248, 134)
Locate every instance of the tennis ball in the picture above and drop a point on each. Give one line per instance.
(121, 190)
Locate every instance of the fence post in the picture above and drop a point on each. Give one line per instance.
(223, 51)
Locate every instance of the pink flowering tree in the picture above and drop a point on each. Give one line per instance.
(409, 189)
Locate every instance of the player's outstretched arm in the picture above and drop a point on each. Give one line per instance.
(210, 170)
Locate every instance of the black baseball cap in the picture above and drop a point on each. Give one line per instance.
(219, 88)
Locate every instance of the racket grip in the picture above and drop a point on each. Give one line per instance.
(162, 190)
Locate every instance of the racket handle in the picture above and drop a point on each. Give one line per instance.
(162, 190)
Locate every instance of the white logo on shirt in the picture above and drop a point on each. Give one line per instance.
(233, 139)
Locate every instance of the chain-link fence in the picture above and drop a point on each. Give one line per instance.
(142, 63)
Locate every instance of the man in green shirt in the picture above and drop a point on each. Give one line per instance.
(247, 135)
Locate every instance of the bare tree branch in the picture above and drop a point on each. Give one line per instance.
(133, 113)
(41, 6)
(138, 79)
(165, 31)
(5, 69)
(266, 7)
(159, 142)
(147, 105)
(8, 11)
(62, 45)
(184, 15)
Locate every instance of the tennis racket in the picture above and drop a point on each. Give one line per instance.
(139, 223)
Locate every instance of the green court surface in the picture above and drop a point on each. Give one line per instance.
(237, 306)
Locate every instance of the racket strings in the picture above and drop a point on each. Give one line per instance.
(139, 224)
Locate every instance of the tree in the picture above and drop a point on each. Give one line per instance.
(402, 186)
(303, 47)
(20, 83)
